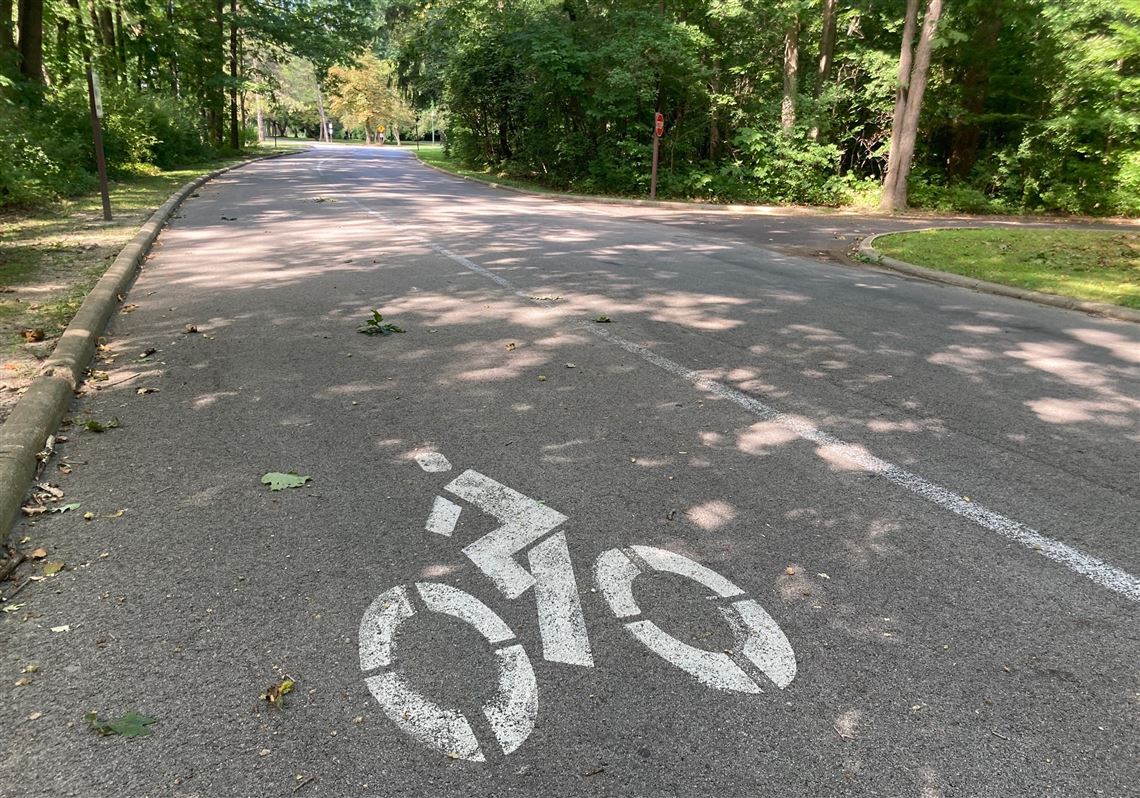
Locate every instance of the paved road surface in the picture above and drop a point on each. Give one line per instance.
(918, 505)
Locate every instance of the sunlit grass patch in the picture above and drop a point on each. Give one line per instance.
(1094, 265)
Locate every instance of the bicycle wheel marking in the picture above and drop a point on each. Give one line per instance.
(511, 714)
(758, 638)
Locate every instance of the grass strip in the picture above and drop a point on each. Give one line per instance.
(1093, 265)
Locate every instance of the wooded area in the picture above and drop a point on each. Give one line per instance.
(974, 105)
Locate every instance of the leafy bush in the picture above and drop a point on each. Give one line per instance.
(48, 147)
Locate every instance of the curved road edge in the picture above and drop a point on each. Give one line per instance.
(867, 250)
(40, 410)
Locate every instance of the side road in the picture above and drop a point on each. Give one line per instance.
(39, 411)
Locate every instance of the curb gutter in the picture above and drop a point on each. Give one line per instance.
(1116, 312)
(42, 407)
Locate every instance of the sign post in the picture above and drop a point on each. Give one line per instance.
(96, 100)
(658, 132)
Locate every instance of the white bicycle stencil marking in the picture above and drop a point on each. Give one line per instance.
(529, 526)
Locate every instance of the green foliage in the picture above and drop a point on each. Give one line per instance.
(132, 724)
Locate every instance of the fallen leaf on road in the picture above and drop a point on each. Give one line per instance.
(63, 508)
(377, 326)
(229, 218)
(92, 425)
(30, 668)
(131, 724)
(65, 628)
(278, 481)
(542, 378)
(275, 695)
(39, 554)
(33, 336)
(64, 468)
(88, 516)
(150, 350)
(790, 571)
(52, 490)
(11, 607)
(23, 681)
(116, 514)
(602, 320)
(190, 329)
(35, 716)
(52, 568)
(130, 306)
(510, 347)
(25, 539)
(145, 391)
(571, 365)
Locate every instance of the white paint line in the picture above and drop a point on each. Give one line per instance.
(433, 462)
(378, 628)
(663, 560)
(760, 639)
(443, 518)
(614, 574)
(448, 600)
(1098, 571)
(560, 620)
(524, 520)
(514, 710)
(445, 730)
(710, 668)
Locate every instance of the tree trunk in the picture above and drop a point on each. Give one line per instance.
(791, 74)
(32, 40)
(235, 132)
(906, 61)
(826, 55)
(63, 49)
(904, 152)
(9, 56)
(966, 133)
(321, 112)
(714, 115)
(396, 133)
(120, 37)
(260, 122)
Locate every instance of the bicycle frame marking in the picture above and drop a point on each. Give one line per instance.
(527, 525)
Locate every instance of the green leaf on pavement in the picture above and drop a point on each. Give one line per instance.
(278, 481)
(377, 326)
(63, 508)
(91, 425)
(52, 568)
(131, 724)
(602, 320)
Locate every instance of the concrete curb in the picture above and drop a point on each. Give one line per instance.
(868, 251)
(42, 407)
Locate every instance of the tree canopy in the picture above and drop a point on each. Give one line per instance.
(983, 105)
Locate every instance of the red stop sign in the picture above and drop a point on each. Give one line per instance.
(659, 125)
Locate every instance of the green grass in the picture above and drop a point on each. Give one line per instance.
(434, 155)
(1099, 266)
(52, 255)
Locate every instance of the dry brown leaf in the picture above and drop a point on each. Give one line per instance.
(39, 554)
(33, 336)
(790, 571)
(129, 307)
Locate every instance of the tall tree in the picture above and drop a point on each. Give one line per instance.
(31, 31)
(903, 136)
(791, 73)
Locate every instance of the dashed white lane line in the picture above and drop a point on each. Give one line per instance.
(1100, 572)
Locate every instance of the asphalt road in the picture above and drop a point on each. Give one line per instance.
(925, 496)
